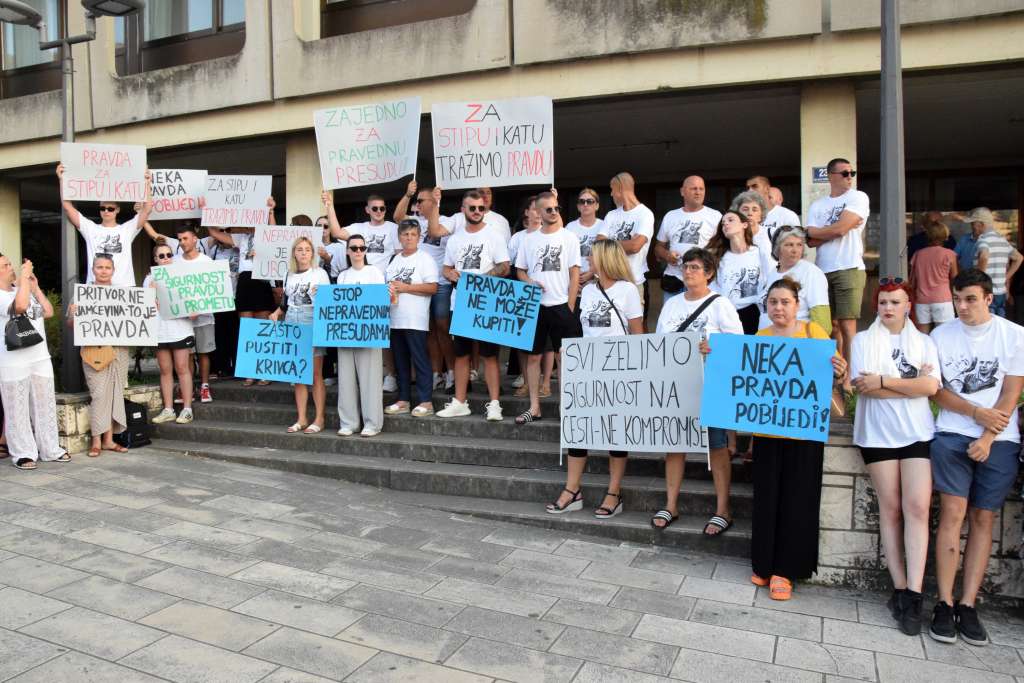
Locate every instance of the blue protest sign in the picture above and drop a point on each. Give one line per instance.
(769, 385)
(352, 316)
(496, 310)
(279, 352)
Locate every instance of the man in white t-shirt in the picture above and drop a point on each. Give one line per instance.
(835, 225)
(683, 229)
(632, 225)
(975, 450)
(777, 215)
(202, 324)
(109, 237)
(550, 258)
(492, 219)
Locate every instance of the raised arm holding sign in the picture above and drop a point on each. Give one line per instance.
(94, 172)
(176, 193)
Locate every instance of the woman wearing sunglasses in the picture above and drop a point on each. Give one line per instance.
(360, 391)
(175, 342)
(586, 228)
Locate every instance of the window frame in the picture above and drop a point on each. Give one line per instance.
(333, 19)
(34, 78)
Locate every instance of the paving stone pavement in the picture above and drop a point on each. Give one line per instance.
(155, 567)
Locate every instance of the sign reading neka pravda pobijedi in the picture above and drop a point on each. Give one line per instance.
(176, 193)
(187, 288)
(634, 393)
(107, 315)
(98, 173)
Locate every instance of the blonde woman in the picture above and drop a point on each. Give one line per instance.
(610, 306)
(297, 308)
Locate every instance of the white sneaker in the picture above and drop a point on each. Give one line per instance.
(368, 432)
(474, 376)
(390, 383)
(518, 382)
(454, 408)
(165, 415)
(493, 409)
(345, 431)
(449, 380)
(185, 417)
(438, 380)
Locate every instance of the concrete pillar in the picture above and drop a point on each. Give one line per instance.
(302, 180)
(828, 129)
(10, 221)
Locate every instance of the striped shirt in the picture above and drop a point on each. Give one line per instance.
(999, 251)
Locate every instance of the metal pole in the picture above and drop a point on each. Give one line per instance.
(894, 204)
(71, 369)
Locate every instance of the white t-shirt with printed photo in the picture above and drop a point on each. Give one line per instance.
(974, 359)
(339, 254)
(367, 275)
(475, 252)
(491, 220)
(742, 277)
(847, 251)
(893, 422)
(587, 237)
(203, 318)
(115, 241)
(516, 243)
(300, 290)
(412, 312)
(719, 316)
(245, 242)
(546, 259)
(621, 225)
(778, 217)
(381, 241)
(683, 230)
(37, 352)
(599, 317)
(813, 290)
(434, 247)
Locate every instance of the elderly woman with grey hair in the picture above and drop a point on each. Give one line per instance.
(752, 205)
(788, 249)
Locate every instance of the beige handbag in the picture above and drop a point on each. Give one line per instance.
(97, 357)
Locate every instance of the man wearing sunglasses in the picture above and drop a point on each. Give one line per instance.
(110, 237)
(492, 219)
(835, 225)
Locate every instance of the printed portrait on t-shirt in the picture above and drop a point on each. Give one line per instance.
(623, 231)
(432, 241)
(300, 296)
(977, 374)
(743, 283)
(687, 233)
(698, 324)
(470, 257)
(549, 258)
(834, 213)
(110, 244)
(598, 315)
(586, 244)
(405, 275)
(907, 371)
(375, 244)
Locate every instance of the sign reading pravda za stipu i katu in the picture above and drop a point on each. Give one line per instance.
(635, 393)
(496, 310)
(237, 200)
(98, 173)
(352, 316)
(367, 144)
(276, 352)
(187, 288)
(107, 315)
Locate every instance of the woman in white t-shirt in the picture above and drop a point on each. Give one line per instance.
(175, 343)
(752, 205)
(586, 228)
(743, 267)
(788, 250)
(296, 307)
(895, 368)
(412, 280)
(26, 374)
(609, 307)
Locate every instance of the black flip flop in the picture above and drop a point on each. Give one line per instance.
(25, 464)
(664, 515)
(526, 417)
(718, 522)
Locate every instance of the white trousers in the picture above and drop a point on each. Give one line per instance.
(361, 388)
(30, 412)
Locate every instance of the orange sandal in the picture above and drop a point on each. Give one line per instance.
(757, 580)
(781, 588)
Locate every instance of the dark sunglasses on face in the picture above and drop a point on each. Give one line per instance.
(846, 174)
(160, 257)
(586, 202)
(883, 281)
(108, 208)
(378, 208)
(358, 249)
(552, 209)
(476, 209)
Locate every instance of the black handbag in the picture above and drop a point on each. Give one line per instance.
(136, 432)
(19, 333)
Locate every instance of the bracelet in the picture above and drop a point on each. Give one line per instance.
(881, 381)
(974, 414)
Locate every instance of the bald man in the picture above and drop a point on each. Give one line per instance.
(681, 230)
(631, 224)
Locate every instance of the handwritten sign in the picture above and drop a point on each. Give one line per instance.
(176, 193)
(488, 143)
(98, 173)
(186, 288)
(106, 315)
(367, 143)
(634, 393)
(496, 310)
(352, 316)
(277, 352)
(272, 247)
(769, 385)
(237, 200)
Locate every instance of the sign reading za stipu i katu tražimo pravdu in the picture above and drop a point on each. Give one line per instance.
(176, 193)
(367, 144)
(352, 316)
(103, 173)
(490, 143)
(276, 352)
(496, 310)
(637, 393)
(108, 315)
(237, 200)
(187, 288)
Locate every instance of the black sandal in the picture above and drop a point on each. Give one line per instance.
(25, 464)
(720, 523)
(526, 417)
(665, 516)
(575, 504)
(63, 458)
(603, 512)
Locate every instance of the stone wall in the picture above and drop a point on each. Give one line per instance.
(73, 414)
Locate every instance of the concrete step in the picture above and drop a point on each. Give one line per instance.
(326, 455)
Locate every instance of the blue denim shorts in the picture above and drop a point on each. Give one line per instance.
(717, 438)
(985, 485)
(441, 301)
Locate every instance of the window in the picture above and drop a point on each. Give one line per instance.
(26, 68)
(173, 32)
(340, 17)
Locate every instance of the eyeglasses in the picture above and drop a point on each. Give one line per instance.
(552, 209)
(883, 281)
(161, 257)
(694, 267)
(357, 249)
(586, 202)
(476, 209)
(378, 208)
(108, 208)
(846, 174)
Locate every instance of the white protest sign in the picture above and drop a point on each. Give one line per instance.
(366, 144)
(187, 288)
(272, 248)
(176, 193)
(98, 173)
(493, 143)
(638, 393)
(107, 315)
(237, 200)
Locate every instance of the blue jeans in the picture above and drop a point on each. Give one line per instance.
(998, 306)
(409, 349)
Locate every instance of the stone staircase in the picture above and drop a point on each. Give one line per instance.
(466, 465)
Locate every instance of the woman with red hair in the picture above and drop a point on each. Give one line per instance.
(895, 368)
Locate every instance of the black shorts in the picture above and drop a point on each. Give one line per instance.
(188, 342)
(253, 296)
(555, 323)
(918, 449)
(464, 347)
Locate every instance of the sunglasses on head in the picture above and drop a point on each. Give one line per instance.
(586, 202)
(358, 248)
(846, 174)
(883, 281)
(378, 208)
(108, 208)
(476, 209)
(552, 209)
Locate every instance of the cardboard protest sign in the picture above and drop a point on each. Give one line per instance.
(237, 200)
(98, 173)
(185, 288)
(277, 352)
(272, 248)
(769, 385)
(489, 143)
(352, 316)
(176, 193)
(637, 393)
(106, 315)
(496, 310)
(367, 143)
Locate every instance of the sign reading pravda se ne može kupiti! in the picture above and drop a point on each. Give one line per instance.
(95, 172)
(107, 315)
(769, 385)
(352, 316)
(187, 288)
(635, 393)
(277, 352)
(496, 310)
